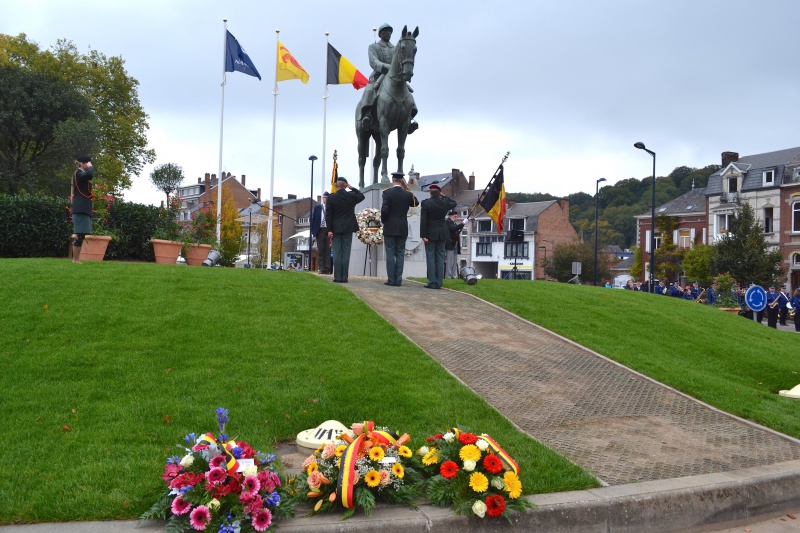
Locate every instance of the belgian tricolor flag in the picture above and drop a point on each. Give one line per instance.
(494, 199)
(340, 70)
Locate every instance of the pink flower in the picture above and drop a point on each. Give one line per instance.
(180, 506)
(255, 507)
(200, 517)
(218, 461)
(314, 479)
(262, 520)
(310, 459)
(357, 428)
(251, 485)
(170, 471)
(329, 450)
(269, 480)
(246, 498)
(216, 475)
(385, 476)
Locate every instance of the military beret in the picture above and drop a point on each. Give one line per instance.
(772, 286)
(339, 178)
(326, 193)
(434, 187)
(451, 213)
(83, 159)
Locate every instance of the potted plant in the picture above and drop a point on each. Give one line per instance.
(166, 238)
(726, 299)
(95, 244)
(199, 236)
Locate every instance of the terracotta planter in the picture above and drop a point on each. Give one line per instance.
(197, 253)
(94, 247)
(732, 310)
(166, 252)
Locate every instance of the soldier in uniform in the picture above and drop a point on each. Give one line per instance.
(397, 200)
(696, 290)
(661, 288)
(675, 289)
(433, 230)
(340, 219)
(773, 301)
(783, 311)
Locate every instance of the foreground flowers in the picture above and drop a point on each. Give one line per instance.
(470, 473)
(220, 485)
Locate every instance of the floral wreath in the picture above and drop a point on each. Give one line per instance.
(370, 231)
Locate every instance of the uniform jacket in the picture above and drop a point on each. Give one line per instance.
(340, 214)
(453, 243)
(316, 219)
(81, 198)
(394, 211)
(432, 223)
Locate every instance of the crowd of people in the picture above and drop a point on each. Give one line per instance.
(780, 305)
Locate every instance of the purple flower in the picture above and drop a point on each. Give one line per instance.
(222, 418)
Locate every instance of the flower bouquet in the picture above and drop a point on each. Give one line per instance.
(358, 471)
(370, 231)
(471, 473)
(221, 484)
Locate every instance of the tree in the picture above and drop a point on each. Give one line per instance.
(166, 178)
(565, 254)
(230, 230)
(119, 119)
(636, 268)
(696, 263)
(744, 253)
(40, 120)
(668, 256)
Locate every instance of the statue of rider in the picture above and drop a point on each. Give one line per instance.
(380, 59)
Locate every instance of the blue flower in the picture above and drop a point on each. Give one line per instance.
(190, 439)
(222, 418)
(273, 499)
(237, 452)
(222, 437)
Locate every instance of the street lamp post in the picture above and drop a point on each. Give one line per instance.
(596, 194)
(311, 158)
(651, 286)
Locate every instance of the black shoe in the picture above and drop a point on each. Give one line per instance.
(428, 286)
(337, 281)
(389, 284)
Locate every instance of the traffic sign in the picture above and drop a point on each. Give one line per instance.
(756, 298)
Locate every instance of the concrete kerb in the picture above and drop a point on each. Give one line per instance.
(691, 504)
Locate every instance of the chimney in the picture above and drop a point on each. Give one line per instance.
(472, 181)
(258, 193)
(728, 158)
(208, 182)
(277, 200)
(292, 197)
(242, 180)
(199, 180)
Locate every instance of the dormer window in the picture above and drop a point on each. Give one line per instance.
(733, 184)
(769, 177)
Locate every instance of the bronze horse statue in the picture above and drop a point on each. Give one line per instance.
(393, 110)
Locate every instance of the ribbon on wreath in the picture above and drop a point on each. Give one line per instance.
(231, 463)
(508, 462)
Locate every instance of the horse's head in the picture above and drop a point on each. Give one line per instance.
(405, 52)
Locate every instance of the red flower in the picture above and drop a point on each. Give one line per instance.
(187, 479)
(467, 438)
(449, 470)
(247, 451)
(495, 505)
(170, 471)
(492, 464)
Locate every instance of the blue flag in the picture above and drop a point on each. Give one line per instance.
(237, 59)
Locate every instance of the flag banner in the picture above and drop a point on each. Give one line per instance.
(340, 70)
(236, 59)
(494, 202)
(334, 176)
(288, 67)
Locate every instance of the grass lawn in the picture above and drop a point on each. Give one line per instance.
(106, 366)
(732, 363)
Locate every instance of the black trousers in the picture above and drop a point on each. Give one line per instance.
(772, 317)
(323, 251)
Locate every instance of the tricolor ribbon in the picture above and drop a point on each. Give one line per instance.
(508, 462)
(347, 466)
(231, 463)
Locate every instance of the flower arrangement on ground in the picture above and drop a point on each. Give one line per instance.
(370, 231)
(471, 473)
(358, 471)
(221, 484)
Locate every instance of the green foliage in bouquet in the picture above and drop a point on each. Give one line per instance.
(470, 473)
(222, 485)
(356, 471)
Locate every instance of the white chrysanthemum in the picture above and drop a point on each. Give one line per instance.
(498, 483)
(187, 460)
(479, 508)
(448, 437)
(482, 445)
(470, 465)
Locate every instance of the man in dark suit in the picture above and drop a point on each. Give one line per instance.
(319, 230)
(433, 230)
(453, 245)
(341, 222)
(397, 199)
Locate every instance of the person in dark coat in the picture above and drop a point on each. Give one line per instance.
(783, 309)
(433, 230)
(341, 222)
(397, 200)
(81, 204)
(453, 245)
(773, 303)
(319, 230)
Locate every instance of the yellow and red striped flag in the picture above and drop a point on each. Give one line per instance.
(288, 67)
(340, 70)
(334, 176)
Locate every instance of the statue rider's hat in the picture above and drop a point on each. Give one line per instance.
(385, 26)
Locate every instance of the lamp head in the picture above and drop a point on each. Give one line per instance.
(601, 179)
(312, 158)
(640, 146)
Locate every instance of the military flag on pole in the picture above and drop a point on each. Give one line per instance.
(340, 70)
(494, 199)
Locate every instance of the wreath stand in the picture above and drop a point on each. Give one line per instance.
(368, 260)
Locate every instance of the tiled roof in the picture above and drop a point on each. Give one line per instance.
(691, 202)
(753, 166)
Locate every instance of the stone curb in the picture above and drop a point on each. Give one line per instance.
(690, 504)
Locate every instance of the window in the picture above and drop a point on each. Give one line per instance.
(463, 241)
(519, 250)
(464, 213)
(796, 260)
(484, 226)
(723, 223)
(733, 185)
(516, 224)
(768, 220)
(657, 241)
(483, 248)
(684, 238)
(769, 177)
(796, 217)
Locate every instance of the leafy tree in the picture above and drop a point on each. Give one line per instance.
(166, 178)
(119, 119)
(668, 256)
(696, 263)
(565, 254)
(40, 119)
(230, 230)
(636, 268)
(744, 253)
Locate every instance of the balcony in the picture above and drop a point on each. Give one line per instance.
(729, 197)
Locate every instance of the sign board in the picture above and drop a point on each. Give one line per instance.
(576, 267)
(756, 298)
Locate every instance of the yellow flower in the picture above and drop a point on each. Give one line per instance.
(430, 458)
(376, 453)
(512, 485)
(478, 482)
(398, 470)
(470, 452)
(373, 478)
(340, 449)
(313, 467)
(404, 451)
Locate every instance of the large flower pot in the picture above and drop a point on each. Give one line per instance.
(731, 310)
(197, 253)
(94, 247)
(166, 252)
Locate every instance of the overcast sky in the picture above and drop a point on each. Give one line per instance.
(566, 86)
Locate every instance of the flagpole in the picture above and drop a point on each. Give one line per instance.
(324, 118)
(272, 170)
(221, 121)
(491, 181)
